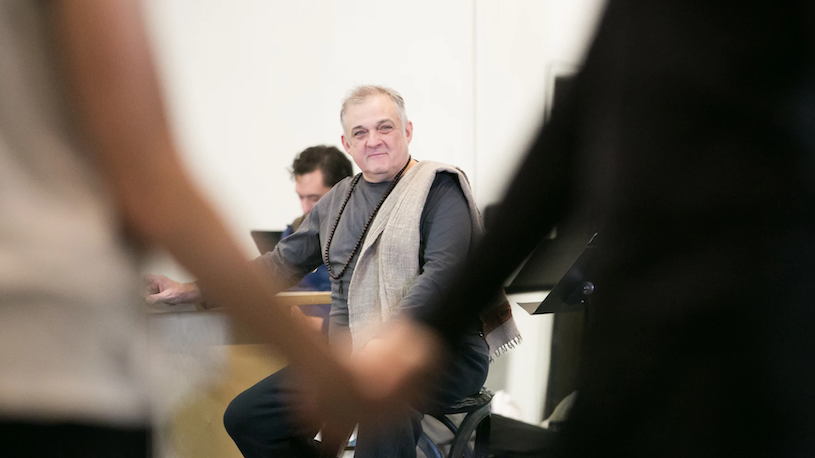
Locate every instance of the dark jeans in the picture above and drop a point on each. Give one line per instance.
(70, 440)
(260, 420)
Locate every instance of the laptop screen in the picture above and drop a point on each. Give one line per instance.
(266, 240)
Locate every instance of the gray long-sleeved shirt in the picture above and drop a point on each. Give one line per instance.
(445, 241)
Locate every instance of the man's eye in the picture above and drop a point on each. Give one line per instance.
(358, 133)
(385, 127)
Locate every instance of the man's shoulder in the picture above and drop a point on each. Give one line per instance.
(342, 184)
(334, 196)
(444, 176)
(441, 170)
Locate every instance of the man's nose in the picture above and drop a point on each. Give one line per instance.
(306, 205)
(374, 139)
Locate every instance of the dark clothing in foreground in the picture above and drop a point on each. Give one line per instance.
(48, 439)
(692, 127)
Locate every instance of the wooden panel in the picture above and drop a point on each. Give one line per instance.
(196, 429)
(198, 369)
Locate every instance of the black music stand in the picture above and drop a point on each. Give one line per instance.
(564, 268)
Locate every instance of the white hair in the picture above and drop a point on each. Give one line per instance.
(359, 94)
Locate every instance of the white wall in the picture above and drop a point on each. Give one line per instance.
(517, 43)
(250, 83)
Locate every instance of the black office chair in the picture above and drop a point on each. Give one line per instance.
(476, 420)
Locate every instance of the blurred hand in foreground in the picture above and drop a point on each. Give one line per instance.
(389, 376)
(159, 288)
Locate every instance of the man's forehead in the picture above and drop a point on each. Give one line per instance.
(310, 183)
(315, 174)
(375, 109)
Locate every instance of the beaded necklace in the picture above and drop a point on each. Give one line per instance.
(364, 229)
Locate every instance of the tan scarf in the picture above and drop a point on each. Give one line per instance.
(389, 261)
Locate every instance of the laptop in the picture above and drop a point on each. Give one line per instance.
(266, 240)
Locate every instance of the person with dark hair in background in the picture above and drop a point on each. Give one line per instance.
(691, 127)
(315, 171)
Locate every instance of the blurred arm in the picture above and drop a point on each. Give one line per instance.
(105, 58)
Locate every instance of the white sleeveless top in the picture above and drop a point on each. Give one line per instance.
(72, 332)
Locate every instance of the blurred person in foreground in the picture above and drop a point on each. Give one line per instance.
(691, 127)
(88, 176)
(390, 236)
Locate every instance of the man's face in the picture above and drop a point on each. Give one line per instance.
(375, 139)
(310, 187)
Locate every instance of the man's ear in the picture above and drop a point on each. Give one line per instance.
(345, 144)
(409, 131)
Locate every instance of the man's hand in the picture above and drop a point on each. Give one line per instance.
(159, 288)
